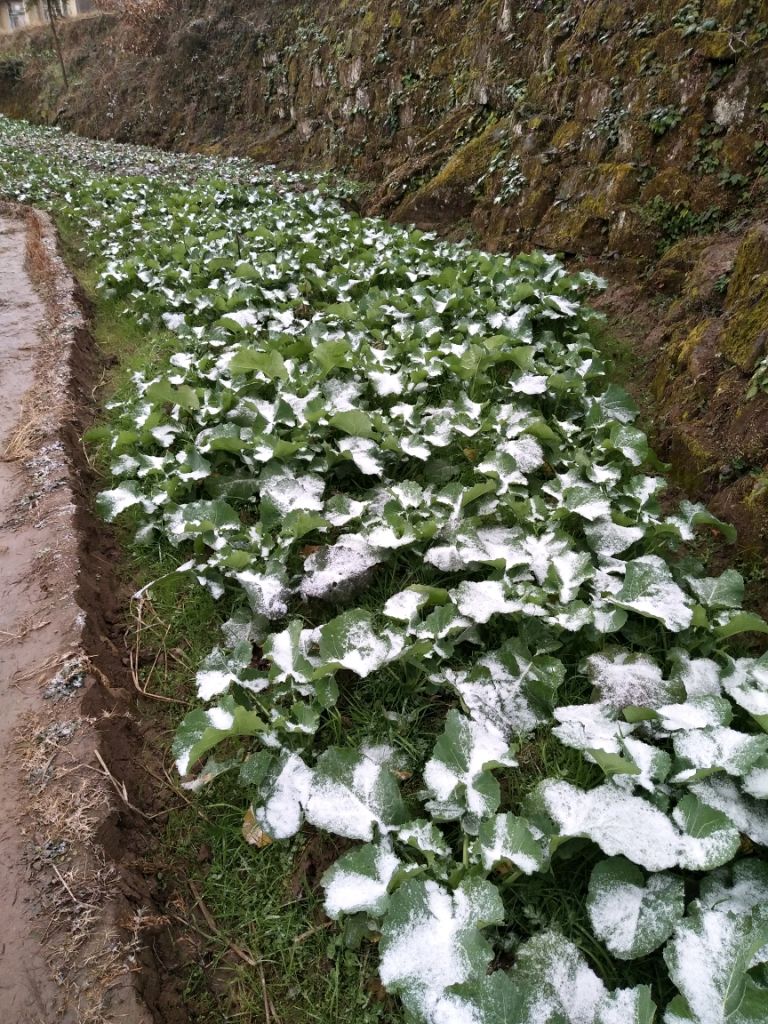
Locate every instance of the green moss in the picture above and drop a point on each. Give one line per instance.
(617, 181)
(467, 165)
(718, 46)
(745, 338)
(567, 134)
(692, 461)
(751, 263)
(691, 343)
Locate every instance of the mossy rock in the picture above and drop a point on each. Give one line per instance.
(567, 135)
(533, 205)
(672, 185)
(618, 182)
(745, 339)
(718, 46)
(630, 235)
(453, 187)
(751, 262)
(693, 462)
(581, 229)
(738, 151)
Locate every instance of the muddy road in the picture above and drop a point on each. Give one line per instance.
(70, 937)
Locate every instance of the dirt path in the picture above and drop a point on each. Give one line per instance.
(36, 627)
(73, 907)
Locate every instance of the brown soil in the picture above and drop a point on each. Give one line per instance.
(77, 890)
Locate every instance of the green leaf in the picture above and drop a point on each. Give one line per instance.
(741, 622)
(708, 958)
(689, 516)
(110, 504)
(358, 881)
(632, 915)
(202, 729)
(724, 591)
(746, 683)
(506, 839)
(650, 591)
(741, 887)
(355, 422)
(354, 792)
(695, 837)
(351, 641)
(182, 395)
(719, 748)
(631, 442)
(431, 939)
(573, 993)
(330, 354)
(270, 363)
(458, 775)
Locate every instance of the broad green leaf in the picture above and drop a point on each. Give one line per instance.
(506, 839)
(722, 796)
(270, 363)
(425, 837)
(724, 591)
(352, 641)
(626, 680)
(357, 423)
(695, 837)
(708, 958)
(202, 729)
(719, 748)
(650, 591)
(431, 939)
(358, 880)
(182, 395)
(689, 516)
(633, 915)
(746, 682)
(111, 503)
(741, 887)
(354, 792)
(559, 987)
(458, 775)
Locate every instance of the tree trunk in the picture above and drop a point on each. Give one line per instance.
(52, 18)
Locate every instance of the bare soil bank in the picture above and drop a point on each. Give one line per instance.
(77, 811)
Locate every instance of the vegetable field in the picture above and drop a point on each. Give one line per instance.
(463, 635)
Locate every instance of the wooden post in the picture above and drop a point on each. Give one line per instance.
(52, 16)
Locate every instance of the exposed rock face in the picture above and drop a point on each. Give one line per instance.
(633, 136)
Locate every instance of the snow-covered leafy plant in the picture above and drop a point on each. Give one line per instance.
(401, 465)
